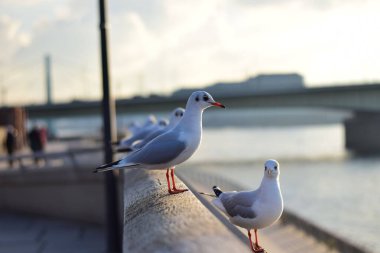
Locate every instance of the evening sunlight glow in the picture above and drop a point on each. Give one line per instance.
(160, 46)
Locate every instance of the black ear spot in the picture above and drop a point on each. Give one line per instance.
(197, 98)
(275, 167)
(266, 168)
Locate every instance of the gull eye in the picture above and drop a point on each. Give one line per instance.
(205, 98)
(275, 167)
(266, 168)
(197, 98)
(181, 114)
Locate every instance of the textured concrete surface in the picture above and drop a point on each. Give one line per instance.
(32, 234)
(155, 221)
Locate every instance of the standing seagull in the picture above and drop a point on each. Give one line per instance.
(254, 209)
(173, 147)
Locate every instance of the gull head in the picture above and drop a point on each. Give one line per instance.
(162, 122)
(202, 100)
(272, 168)
(150, 120)
(176, 115)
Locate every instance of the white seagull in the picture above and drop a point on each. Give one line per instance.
(133, 128)
(124, 145)
(175, 117)
(254, 209)
(173, 147)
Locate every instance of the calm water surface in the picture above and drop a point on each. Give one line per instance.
(319, 180)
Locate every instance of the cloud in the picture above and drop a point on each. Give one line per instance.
(12, 37)
(70, 36)
(161, 45)
(317, 5)
(21, 3)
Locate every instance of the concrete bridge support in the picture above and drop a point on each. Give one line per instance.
(363, 133)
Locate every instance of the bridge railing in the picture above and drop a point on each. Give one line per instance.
(26, 161)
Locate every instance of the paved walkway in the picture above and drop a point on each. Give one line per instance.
(28, 234)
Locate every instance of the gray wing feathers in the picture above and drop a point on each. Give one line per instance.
(162, 149)
(239, 203)
(149, 138)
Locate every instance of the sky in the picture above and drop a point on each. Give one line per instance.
(157, 46)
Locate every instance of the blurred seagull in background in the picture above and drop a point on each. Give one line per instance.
(150, 125)
(254, 209)
(175, 117)
(174, 146)
(133, 128)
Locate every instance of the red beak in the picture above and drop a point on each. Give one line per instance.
(218, 104)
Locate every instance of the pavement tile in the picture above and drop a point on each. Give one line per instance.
(28, 234)
(20, 248)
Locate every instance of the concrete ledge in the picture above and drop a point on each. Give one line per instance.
(155, 221)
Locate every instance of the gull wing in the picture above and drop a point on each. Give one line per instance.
(150, 137)
(160, 150)
(239, 203)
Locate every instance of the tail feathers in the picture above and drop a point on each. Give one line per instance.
(106, 167)
(217, 190)
(123, 150)
(218, 203)
(97, 170)
(114, 166)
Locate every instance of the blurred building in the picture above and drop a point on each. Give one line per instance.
(259, 84)
(15, 116)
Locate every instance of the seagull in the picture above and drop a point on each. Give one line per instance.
(173, 147)
(133, 128)
(124, 145)
(175, 117)
(254, 209)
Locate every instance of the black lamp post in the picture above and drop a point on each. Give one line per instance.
(108, 107)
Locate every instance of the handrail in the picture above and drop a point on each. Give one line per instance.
(69, 153)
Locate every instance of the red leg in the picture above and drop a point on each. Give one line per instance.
(172, 172)
(174, 187)
(257, 246)
(167, 179)
(250, 241)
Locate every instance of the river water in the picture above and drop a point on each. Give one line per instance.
(320, 180)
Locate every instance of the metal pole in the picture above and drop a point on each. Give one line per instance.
(108, 106)
(48, 79)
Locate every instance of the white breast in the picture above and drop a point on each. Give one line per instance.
(269, 206)
(192, 143)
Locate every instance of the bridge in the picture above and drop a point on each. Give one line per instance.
(357, 98)
(363, 100)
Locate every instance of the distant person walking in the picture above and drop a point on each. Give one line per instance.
(36, 143)
(10, 143)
